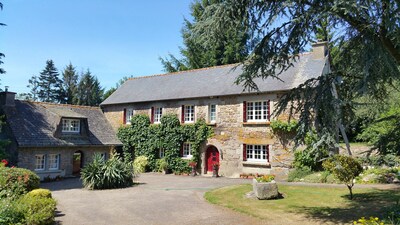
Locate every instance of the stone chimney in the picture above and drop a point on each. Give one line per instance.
(7, 98)
(320, 49)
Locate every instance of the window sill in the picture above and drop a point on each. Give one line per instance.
(212, 124)
(48, 171)
(261, 123)
(187, 157)
(256, 164)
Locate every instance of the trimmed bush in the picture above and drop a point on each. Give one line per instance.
(43, 193)
(113, 173)
(38, 210)
(15, 182)
(140, 164)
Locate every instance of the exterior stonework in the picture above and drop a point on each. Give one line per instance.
(26, 159)
(230, 132)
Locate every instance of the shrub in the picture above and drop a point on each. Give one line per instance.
(113, 173)
(140, 164)
(15, 182)
(345, 168)
(161, 165)
(379, 175)
(181, 166)
(43, 193)
(389, 160)
(11, 212)
(298, 173)
(38, 210)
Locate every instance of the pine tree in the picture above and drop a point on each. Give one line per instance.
(89, 91)
(34, 86)
(70, 82)
(2, 71)
(49, 84)
(231, 46)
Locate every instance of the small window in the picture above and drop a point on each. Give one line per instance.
(257, 153)
(161, 153)
(187, 150)
(54, 161)
(103, 156)
(189, 113)
(257, 111)
(39, 162)
(71, 125)
(157, 115)
(129, 115)
(213, 114)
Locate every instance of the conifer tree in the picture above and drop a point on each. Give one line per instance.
(89, 91)
(49, 84)
(70, 82)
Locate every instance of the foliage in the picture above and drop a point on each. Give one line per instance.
(15, 182)
(345, 168)
(231, 46)
(380, 160)
(161, 165)
(11, 212)
(371, 221)
(279, 126)
(364, 53)
(298, 173)
(2, 71)
(146, 139)
(113, 173)
(89, 90)
(140, 164)
(69, 84)
(392, 215)
(379, 175)
(34, 89)
(38, 210)
(49, 84)
(40, 192)
(265, 178)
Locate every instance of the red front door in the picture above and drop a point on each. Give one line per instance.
(212, 157)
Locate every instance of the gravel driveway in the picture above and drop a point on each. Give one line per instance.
(159, 199)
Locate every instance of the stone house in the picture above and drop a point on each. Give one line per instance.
(54, 139)
(243, 140)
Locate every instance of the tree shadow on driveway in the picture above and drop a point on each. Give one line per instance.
(66, 184)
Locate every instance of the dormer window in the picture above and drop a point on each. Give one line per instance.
(71, 125)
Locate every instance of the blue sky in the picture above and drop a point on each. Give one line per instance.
(111, 38)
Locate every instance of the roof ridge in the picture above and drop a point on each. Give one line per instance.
(64, 105)
(183, 71)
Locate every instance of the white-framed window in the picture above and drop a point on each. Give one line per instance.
(257, 153)
(71, 125)
(257, 111)
(188, 113)
(54, 161)
(187, 150)
(213, 113)
(40, 162)
(157, 114)
(161, 153)
(128, 116)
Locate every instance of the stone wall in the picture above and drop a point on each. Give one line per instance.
(26, 158)
(230, 132)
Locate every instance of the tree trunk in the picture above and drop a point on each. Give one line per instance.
(351, 191)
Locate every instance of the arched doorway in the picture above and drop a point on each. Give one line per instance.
(77, 162)
(212, 157)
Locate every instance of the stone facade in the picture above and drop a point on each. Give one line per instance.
(26, 158)
(230, 132)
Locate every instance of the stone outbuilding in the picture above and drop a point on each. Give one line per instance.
(243, 142)
(54, 139)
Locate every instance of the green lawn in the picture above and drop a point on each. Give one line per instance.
(306, 205)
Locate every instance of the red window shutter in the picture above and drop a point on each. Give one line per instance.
(183, 114)
(267, 153)
(181, 151)
(124, 118)
(152, 115)
(244, 111)
(268, 110)
(244, 152)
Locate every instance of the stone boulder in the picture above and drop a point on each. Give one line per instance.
(265, 190)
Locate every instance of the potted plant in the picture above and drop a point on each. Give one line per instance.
(265, 187)
(163, 166)
(193, 164)
(215, 169)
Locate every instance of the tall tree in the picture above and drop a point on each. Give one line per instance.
(70, 82)
(231, 46)
(34, 86)
(49, 84)
(2, 71)
(367, 37)
(89, 91)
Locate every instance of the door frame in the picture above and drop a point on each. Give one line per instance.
(80, 163)
(208, 148)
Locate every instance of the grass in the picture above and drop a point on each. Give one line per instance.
(306, 205)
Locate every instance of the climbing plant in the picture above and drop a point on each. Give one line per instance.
(142, 138)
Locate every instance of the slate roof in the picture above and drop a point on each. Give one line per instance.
(34, 125)
(213, 81)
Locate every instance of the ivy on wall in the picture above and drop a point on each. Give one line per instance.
(144, 138)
